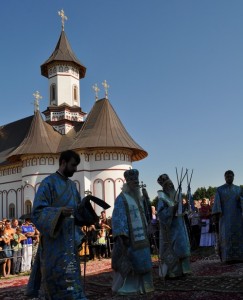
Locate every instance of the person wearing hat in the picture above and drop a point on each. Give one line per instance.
(174, 245)
(131, 259)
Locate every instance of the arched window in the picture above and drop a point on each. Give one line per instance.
(53, 93)
(28, 206)
(75, 93)
(11, 211)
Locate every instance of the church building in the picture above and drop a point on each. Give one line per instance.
(30, 147)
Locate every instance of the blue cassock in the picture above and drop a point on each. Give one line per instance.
(228, 204)
(128, 219)
(173, 231)
(60, 237)
(139, 248)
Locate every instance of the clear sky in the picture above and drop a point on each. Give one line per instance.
(175, 70)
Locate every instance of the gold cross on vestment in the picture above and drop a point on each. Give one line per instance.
(142, 185)
(37, 97)
(63, 17)
(106, 86)
(96, 89)
(88, 192)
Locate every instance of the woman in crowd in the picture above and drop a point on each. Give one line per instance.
(7, 237)
(207, 237)
(18, 237)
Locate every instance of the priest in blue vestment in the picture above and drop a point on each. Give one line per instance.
(131, 258)
(58, 214)
(227, 213)
(174, 245)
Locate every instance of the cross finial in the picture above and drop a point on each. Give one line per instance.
(88, 192)
(96, 89)
(63, 17)
(142, 185)
(106, 86)
(37, 97)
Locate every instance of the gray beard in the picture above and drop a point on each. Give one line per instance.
(135, 192)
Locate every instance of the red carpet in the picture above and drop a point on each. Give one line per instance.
(211, 280)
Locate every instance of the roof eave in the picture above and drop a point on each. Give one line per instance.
(44, 67)
(137, 154)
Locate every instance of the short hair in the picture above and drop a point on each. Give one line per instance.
(68, 155)
(229, 172)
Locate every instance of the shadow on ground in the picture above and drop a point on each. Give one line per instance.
(210, 280)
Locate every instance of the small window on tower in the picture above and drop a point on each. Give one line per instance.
(75, 93)
(53, 93)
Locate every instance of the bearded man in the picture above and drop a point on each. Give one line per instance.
(174, 246)
(228, 217)
(131, 259)
(59, 213)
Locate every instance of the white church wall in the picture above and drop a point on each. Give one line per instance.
(79, 180)
(19, 205)
(4, 204)
(11, 200)
(87, 182)
(28, 195)
(107, 177)
(36, 168)
(1, 205)
(109, 189)
(9, 189)
(98, 191)
(64, 90)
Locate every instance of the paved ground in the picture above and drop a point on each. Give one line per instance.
(211, 280)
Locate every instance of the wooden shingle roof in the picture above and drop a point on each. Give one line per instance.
(32, 135)
(63, 53)
(12, 134)
(41, 138)
(103, 129)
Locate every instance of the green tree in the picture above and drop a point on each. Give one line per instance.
(211, 191)
(154, 202)
(202, 192)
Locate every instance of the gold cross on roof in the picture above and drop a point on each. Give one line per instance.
(106, 86)
(63, 17)
(96, 89)
(37, 97)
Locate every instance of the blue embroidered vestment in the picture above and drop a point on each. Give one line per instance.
(60, 238)
(228, 204)
(173, 237)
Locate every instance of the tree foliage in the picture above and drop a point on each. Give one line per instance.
(199, 194)
(202, 192)
(154, 202)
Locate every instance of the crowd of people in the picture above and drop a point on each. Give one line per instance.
(134, 232)
(98, 237)
(18, 246)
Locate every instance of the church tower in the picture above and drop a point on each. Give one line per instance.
(63, 71)
(30, 147)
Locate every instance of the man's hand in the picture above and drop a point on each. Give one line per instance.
(67, 211)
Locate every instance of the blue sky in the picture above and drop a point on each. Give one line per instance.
(175, 70)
